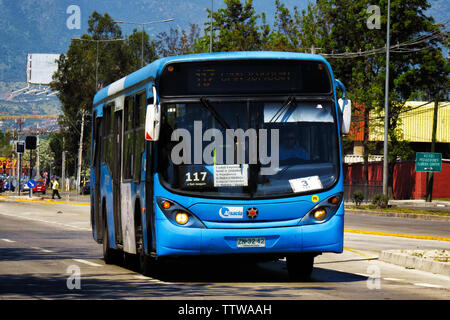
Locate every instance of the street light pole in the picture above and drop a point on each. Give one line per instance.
(143, 24)
(386, 108)
(211, 31)
(96, 59)
(80, 154)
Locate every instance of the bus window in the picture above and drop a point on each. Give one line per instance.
(128, 139)
(139, 124)
(107, 135)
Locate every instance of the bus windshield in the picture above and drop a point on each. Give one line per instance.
(248, 147)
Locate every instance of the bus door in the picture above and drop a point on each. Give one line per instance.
(116, 174)
(97, 161)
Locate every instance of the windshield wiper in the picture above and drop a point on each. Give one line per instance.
(280, 111)
(214, 112)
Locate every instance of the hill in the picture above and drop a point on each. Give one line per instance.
(30, 26)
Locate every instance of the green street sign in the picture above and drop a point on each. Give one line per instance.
(428, 162)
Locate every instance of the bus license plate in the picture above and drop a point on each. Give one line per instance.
(251, 242)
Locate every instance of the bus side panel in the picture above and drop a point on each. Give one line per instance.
(107, 194)
(127, 213)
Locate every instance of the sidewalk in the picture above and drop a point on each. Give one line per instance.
(434, 261)
(66, 197)
(443, 206)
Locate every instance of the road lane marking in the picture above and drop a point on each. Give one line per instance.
(428, 285)
(359, 253)
(42, 250)
(46, 221)
(393, 279)
(7, 240)
(389, 234)
(88, 263)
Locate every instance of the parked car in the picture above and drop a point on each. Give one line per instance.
(40, 187)
(86, 188)
(9, 186)
(24, 187)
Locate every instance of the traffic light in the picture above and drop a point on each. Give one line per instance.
(30, 142)
(20, 147)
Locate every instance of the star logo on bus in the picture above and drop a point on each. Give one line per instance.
(252, 213)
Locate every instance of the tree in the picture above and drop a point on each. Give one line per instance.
(75, 79)
(341, 26)
(6, 148)
(174, 43)
(235, 28)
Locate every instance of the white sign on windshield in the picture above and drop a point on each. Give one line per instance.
(304, 112)
(306, 184)
(231, 175)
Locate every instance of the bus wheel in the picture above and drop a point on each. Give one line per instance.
(147, 264)
(300, 266)
(111, 256)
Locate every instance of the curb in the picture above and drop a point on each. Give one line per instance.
(41, 200)
(430, 217)
(408, 261)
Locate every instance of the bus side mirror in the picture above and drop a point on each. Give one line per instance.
(153, 119)
(345, 106)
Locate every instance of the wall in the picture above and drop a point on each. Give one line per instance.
(408, 184)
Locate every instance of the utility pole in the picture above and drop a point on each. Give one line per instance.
(80, 153)
(38, 167)
(386, 108)
(211, 31)
(430, 175)
(63, 165)
(63, 171)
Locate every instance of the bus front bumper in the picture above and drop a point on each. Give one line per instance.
(179, 241)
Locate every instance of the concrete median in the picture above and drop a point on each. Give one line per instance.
(434, 261)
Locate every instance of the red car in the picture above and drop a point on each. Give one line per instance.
(40, 187)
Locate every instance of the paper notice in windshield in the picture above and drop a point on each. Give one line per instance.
(233, 175)
(306, 184)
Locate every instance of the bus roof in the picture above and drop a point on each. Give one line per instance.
(154, 69)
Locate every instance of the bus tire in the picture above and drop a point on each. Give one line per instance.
(300, 266)
(147, 264)
(111, 256)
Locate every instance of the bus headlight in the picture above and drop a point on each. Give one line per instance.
(320, 214)
(178, 215)
(323, 211)
(182, 218)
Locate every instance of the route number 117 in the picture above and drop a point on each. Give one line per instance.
(196, 176)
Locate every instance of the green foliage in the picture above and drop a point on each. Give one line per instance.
(358, 197)
(380, 201)
(75, 79)
(6, 149)
(235, 28)
(176, 42)
(330, 26)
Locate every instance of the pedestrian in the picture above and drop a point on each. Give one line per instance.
(55, 186)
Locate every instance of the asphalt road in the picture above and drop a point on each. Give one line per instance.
(44, 247)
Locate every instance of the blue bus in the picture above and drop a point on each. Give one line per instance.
(236, 154)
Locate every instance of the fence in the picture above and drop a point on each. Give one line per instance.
(369, 189)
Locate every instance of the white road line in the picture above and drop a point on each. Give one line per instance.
(42, 250)
(88, 263)
(363, 275)
(428, 285)
(46, 221)
(7, 240)
(141, 277)
(393, 279)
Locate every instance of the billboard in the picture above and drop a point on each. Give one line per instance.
(41, 67)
